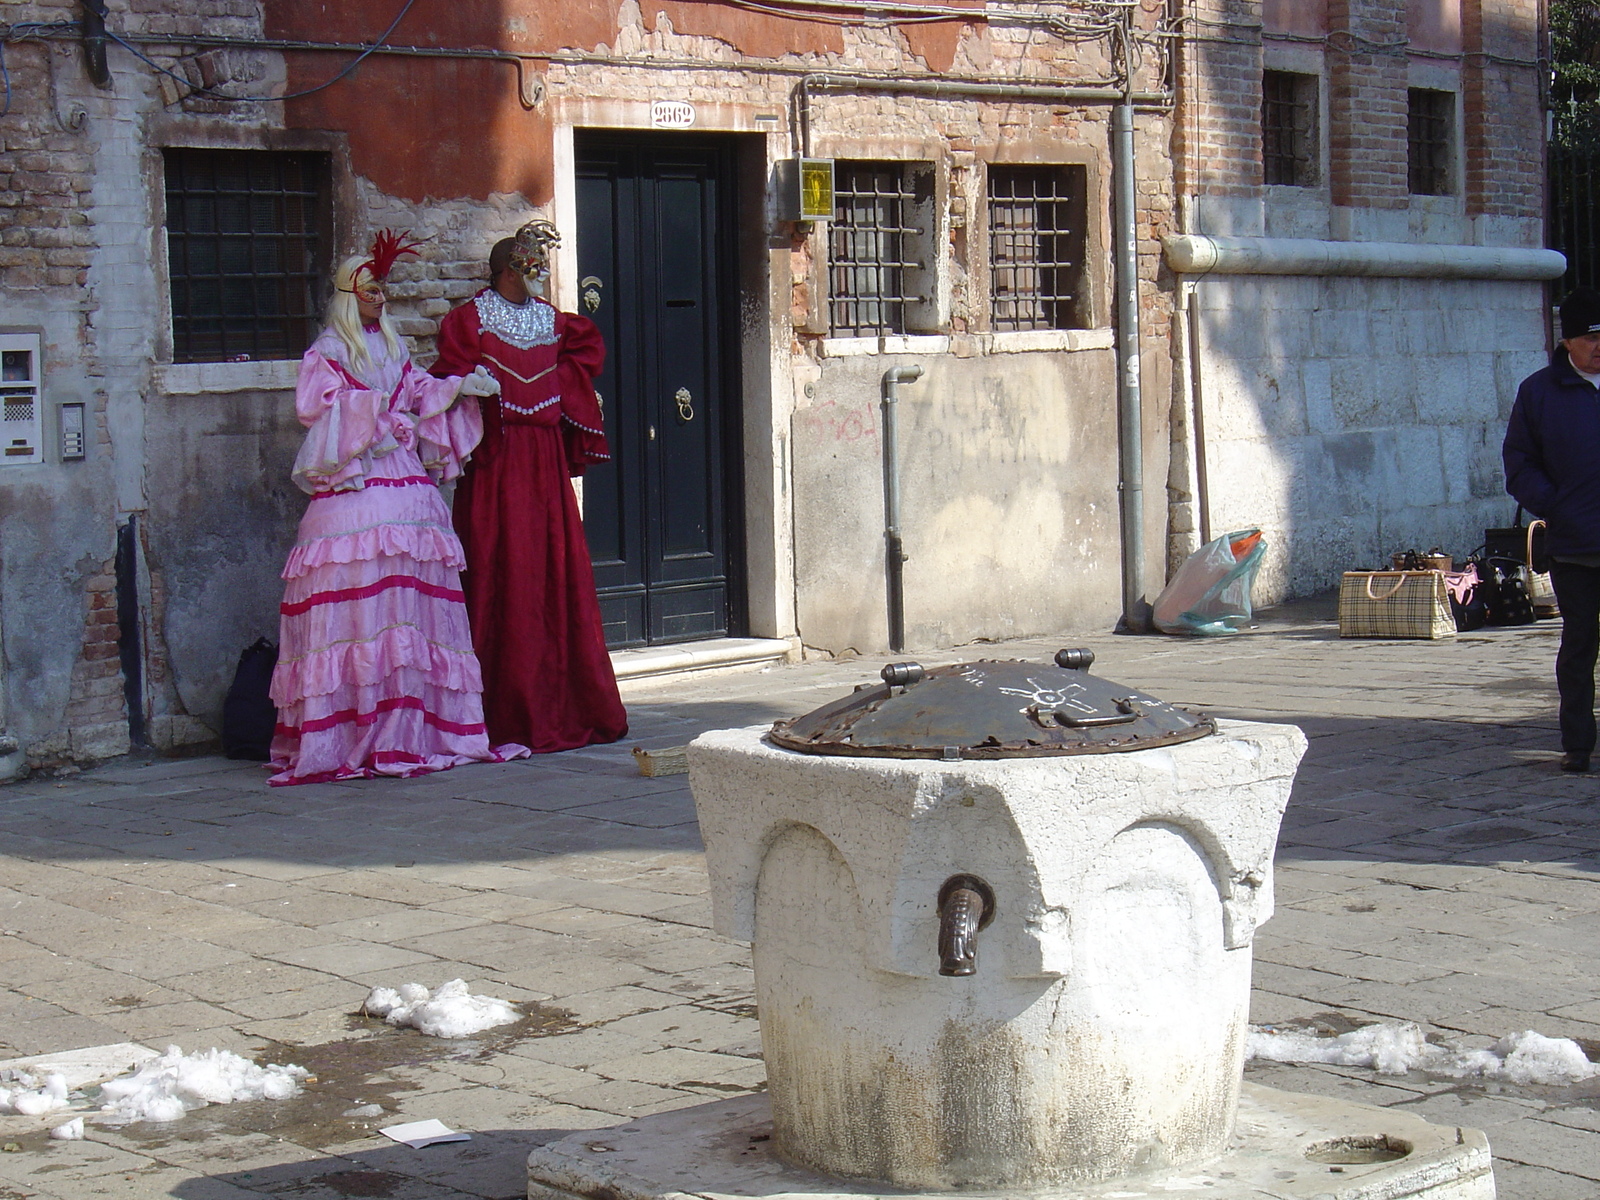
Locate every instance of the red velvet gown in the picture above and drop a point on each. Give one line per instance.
(547, 678)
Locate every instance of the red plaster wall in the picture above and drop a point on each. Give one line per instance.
(935, 43)
(1434, 25)
(754, 34)
(430, 128)
(440, 128)
(760, 35)
(434, 128)
(1303, 18)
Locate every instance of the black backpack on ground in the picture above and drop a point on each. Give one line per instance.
(248, 714)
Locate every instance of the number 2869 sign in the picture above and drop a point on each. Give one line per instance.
(672, 114)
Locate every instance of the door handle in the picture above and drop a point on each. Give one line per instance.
(685, 405)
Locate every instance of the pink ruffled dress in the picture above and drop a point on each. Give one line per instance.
(376, 674)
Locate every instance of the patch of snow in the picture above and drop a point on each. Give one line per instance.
(33, 1097)
(1392, 1048)
(80, 1068)
(166, 1087)
(70, 1132)
(450, 1011)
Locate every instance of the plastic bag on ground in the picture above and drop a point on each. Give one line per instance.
(1210, 594)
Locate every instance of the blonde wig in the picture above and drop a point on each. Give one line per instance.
(344, 317)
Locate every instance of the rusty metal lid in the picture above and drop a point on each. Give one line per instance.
(987, 709)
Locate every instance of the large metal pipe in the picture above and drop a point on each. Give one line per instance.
(1197, 254)
(1130, 431)
(894, 557)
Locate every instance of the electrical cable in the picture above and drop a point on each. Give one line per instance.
(35, 31)
(1089, 20)
(211, 94)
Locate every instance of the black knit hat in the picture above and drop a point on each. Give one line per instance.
(1580, 313)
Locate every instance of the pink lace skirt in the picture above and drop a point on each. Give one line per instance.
(376, 674)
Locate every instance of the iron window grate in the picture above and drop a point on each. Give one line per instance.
(1429, 118)
(873, 247)
(1036, 247)
(246, 238)
(1288, 128)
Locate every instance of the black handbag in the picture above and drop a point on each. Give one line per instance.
(1507, 590)
(248, 715)
(1512, 541)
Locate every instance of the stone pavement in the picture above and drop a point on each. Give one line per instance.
(1434, 866)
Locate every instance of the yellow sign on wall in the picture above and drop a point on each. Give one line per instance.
(816, 189)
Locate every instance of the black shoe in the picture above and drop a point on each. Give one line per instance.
(1573, 761)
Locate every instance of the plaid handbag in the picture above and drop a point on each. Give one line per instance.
(1395, 604)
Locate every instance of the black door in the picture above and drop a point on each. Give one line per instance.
(655, 236)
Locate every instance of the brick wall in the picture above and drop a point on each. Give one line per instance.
(1367, 103)
(97, 710)
(1366, 61)
(1218, 130)
(1320, 424)
(1503, 114)
(45, 174)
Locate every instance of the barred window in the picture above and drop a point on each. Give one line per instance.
(248, 233)
(1037, 217)
(879, 249)
(1430, 124)
(1289, 128)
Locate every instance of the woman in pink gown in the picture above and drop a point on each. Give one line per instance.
(376, 673)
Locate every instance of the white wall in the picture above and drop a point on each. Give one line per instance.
(1350, 418)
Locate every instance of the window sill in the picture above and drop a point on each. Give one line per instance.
(194, 379)
(1023, 341)
(936, 343)
(1027, 341)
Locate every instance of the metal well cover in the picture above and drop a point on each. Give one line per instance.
(987, 709)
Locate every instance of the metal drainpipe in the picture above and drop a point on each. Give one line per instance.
(1197, 414)
(1135, 608)
(894, 553)
(94, 43)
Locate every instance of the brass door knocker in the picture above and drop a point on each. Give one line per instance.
(685, 405)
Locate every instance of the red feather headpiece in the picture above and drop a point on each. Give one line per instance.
(387, 247)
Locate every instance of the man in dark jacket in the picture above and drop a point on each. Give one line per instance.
(1552, 460)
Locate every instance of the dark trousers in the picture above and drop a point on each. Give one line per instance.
(1578, 593)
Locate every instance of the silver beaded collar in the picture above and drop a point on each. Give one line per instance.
(521, 325)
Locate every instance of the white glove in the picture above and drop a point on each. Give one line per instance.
(479, 383)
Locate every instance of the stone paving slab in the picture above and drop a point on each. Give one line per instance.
(1433, 866)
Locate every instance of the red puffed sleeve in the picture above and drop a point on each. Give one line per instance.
(581, 356)
(460, 351)
(459, 334)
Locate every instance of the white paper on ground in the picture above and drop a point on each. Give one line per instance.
(418, 1134)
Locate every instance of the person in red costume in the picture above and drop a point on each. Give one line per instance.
(547, 678)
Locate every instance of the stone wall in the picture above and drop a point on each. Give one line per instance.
(59, 664)
(1350, 418)
(80, 263)
(1008, 485)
